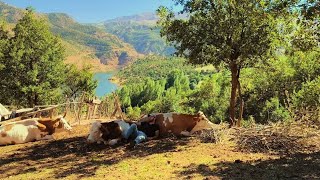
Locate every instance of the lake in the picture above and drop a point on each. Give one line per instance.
(104, 85)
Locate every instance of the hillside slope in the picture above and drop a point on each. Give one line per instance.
(102, 48)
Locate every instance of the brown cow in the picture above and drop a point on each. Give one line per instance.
(179, 124)
(31, 130)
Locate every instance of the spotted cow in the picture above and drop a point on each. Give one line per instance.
(108, 132)
(32, 130)
(179, 124)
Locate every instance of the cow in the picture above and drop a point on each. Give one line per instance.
(108, 132)
(178, 124)
(29, 130)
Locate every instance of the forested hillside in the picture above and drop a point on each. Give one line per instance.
(96, 44)
(139, 30)
(108, 48)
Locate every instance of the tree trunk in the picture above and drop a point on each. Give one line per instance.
(241, 100)
(233, 99)
(35, 99)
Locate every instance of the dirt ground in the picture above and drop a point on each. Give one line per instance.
(70, 157)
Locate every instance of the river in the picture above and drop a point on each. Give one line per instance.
(104, 85)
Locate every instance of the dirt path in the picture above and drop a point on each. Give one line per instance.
(69, 157)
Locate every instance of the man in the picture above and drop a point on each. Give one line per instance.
(146, 130)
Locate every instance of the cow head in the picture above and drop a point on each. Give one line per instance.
(202, 122)
(95, 132)
(151, 118)
(62, 123)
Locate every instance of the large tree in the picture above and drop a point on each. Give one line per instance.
(236, 33)
(34, 70)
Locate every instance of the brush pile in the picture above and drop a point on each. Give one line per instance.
(278, 138)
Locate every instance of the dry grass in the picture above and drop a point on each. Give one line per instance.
(84, 59)
(69, 157)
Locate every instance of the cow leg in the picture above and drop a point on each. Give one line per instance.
(46, 137)
(185, 133)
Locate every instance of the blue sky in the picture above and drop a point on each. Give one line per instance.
(92, 11)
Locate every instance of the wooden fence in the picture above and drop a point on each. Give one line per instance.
(81, 111)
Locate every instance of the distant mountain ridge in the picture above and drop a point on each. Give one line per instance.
(141, 31)
(143, 17)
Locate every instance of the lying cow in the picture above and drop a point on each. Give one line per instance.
(32, 130)
(179, 124)
(108, 132)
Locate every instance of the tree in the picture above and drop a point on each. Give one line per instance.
(234, 32)
(34, 70)
(78, 81)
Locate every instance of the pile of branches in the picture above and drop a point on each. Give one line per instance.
(277, 138)
(218, 135)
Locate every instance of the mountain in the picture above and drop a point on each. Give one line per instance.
(140, 31)
(85, 44)
(107, 47)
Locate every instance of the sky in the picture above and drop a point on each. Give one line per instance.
(93, 11)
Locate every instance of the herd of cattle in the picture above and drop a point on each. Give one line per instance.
(107, 132)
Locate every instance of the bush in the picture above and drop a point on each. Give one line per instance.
(273, 111)
(133, 113)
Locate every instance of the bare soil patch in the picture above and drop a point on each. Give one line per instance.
(70, 157)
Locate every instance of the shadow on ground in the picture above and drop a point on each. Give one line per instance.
(297, 166)
(74, 156)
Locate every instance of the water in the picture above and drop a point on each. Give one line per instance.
(104, 85)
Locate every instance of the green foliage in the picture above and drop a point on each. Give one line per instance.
(308, 96)
(228, 31)
(79, 81)
(33, 70)
(274, 111)
(4, 39)
(236, 33)
(157, 68)
(284, 77)
(211, 97)
(273, 91)
(133, 113)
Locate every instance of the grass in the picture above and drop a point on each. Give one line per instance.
(69, 157)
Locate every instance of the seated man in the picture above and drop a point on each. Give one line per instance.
(145, 131)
